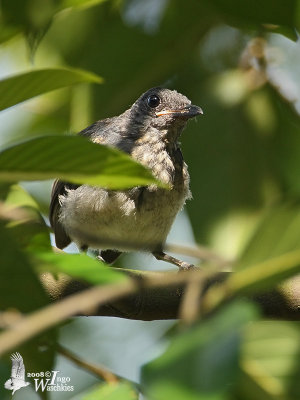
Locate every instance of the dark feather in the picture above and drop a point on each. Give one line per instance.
(110, 256)
(59, 188)
(97, 133)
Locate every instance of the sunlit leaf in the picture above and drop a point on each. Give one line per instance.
(79, 266)
(270, 361)
(79, 3)
(32, 233)
(201, 363)
(277, 234)
(257, 277)
(24, 220)
(18, 88)
(71, 158)
(18, 197)
(266, 274)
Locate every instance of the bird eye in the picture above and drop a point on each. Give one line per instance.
(153, 101)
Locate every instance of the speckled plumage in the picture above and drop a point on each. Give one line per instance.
(140, 217)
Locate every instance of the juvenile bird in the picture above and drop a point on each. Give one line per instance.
(141, 217)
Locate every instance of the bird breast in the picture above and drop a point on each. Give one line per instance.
(140, 217)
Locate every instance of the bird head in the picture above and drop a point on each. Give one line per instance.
(164, 109)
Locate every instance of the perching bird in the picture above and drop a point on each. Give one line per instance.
(17, 379)
(141, 217)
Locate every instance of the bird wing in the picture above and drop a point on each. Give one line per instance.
(59, 188)
(98, 132)
(18, 368)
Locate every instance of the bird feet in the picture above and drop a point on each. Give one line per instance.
(182, 265)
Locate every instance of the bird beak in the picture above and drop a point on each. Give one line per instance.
(186, 112)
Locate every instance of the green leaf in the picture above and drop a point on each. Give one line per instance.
(31, 234)
(201, 363)
(7, 33)
(273, 14)
(17, 278)
(19, 197)
(31, 17)
(79, 266)
(273, 253)
(24, 220)
(264, 275)
(18, 88)
(74, 159)
(119, 391)
(4, 190)
(79, 3)
(21, 291)
(270, 361)
(277, 234)
(271, 264)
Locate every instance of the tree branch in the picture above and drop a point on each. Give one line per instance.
(160, 295)
(77, 298)
(148, 296)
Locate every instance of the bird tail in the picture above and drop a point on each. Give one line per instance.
(8, 384)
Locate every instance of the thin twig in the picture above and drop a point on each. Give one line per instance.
(9, 317)
(53, 314)
(100, 371)
(190, 304)
(200, 252)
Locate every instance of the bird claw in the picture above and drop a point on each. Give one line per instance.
(184, 266)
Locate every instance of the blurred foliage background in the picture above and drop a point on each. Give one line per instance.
(240, 62)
